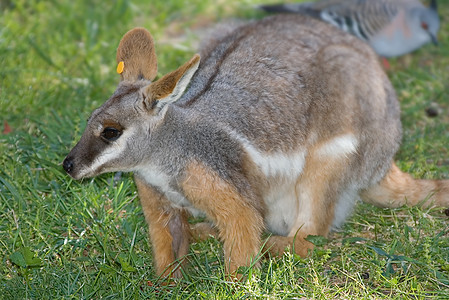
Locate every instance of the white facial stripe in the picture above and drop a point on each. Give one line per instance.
(342, 145)
(111, 152)
(274, 165)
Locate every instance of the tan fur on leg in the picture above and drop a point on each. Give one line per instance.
(168, 230)
(399, 188)
(240, 225)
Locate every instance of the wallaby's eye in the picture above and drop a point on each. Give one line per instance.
(111, 134)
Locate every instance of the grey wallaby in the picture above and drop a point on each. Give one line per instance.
(282, 126)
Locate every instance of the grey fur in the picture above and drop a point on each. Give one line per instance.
(283, 84)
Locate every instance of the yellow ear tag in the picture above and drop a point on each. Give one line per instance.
(120, 67)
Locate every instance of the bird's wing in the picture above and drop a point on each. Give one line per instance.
(363, 18)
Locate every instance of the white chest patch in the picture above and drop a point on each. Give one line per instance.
(155, 177)
(282, 208)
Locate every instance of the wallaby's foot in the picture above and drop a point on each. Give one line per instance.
(202, 231)
(276, 245)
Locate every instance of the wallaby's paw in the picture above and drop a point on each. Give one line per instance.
(203, 231)
(276, 245)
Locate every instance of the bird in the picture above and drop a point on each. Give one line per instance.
(392, 27)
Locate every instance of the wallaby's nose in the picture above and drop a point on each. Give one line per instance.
(68, 165)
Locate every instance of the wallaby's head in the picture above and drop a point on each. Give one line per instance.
(118, 132)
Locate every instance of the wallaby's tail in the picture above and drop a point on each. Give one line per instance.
(399, 188)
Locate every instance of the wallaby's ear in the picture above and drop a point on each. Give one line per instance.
(136, 56)
(171, 86)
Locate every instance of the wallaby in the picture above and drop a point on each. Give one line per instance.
(282, 126)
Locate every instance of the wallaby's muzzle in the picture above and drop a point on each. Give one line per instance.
(68, 165)
(78, 163)
(71, 167)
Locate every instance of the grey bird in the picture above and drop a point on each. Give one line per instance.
(391, 27)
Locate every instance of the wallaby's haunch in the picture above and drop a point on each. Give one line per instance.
(282, 126)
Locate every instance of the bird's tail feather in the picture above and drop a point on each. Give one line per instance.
(301, 8)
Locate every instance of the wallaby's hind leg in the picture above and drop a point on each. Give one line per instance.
(398, 188)
(322, 197)
(238, 221)
(168, 230)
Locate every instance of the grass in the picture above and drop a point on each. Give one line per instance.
(62, 239)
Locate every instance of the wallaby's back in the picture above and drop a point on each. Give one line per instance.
(289, 82)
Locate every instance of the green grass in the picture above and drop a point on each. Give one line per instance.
(62, 239)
